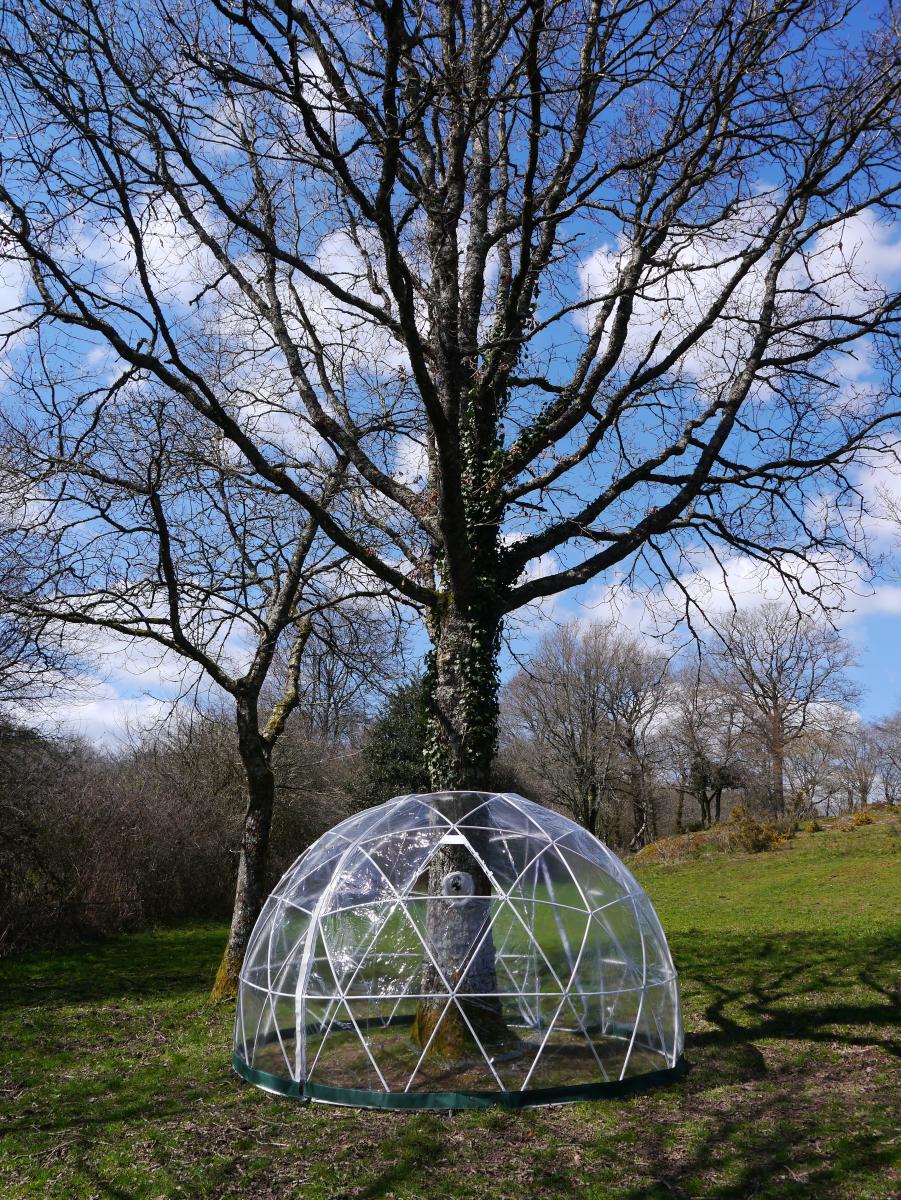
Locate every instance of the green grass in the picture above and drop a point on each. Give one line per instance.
(114, 1075)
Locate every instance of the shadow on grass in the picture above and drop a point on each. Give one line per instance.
(155, 962)
(154, 1095)
(795, 988)
(743, 1128)
(768, 1020)
(764, 1144)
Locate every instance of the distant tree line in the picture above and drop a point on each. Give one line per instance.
(94, 841)
(631, 742)
(634, 743)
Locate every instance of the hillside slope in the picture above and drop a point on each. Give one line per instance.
(115, 1080)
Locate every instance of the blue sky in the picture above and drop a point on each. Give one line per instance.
(879, 672)
(133, 688)
(133, 685)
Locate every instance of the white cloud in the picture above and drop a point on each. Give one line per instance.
(885, 599)
(879, 482)
(178, 263)
(104, 717)
(13, 294)
(713, 588)
(411, 461)
(843, 270)
(871, 248)
(135, 684)
(738, 581)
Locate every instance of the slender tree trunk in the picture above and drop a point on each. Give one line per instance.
(594, 809)
(777, 766)
(650, 804)
(462, 693)
(250, 891)
(680, 808)
(639, 809)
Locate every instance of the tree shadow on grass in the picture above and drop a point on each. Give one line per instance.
(761, 1111)
(418, 1148)
(798, 989)
(155, 962)
(772, 1021)
(149, 1096)
(769, 1143)
(775, 1124)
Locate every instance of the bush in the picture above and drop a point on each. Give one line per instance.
(743, 833)
(684, 846)
(811, 826)
(753, 836)
(856, 820)
(94, 843)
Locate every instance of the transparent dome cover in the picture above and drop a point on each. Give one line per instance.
(457, 949)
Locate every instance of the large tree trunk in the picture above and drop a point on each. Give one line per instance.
(459, 913)
(462, 695)
(250, 891)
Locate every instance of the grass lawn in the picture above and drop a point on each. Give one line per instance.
(115, 1079)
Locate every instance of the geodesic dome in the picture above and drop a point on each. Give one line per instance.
(457, 950)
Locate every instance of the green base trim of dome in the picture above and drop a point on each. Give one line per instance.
(360, 1098)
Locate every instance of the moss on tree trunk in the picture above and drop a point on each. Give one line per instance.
(250, 890)
(462, 697)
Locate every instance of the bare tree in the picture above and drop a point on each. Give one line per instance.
(814, 774)
(586, 702)
(705, 735)
(888, 733)
(783, 667)
(568, 285)
(149, 532)
(859, 753)
(556, 708)
(38, 662)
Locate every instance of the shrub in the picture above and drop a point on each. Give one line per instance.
(811, 826)
(684, 846)
(747, 833)
(93, 843)
(743, 832)
(856, 820)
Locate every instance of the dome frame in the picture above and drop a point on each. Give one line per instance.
(361, 937)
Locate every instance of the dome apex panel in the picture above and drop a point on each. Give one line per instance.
(452, 950)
